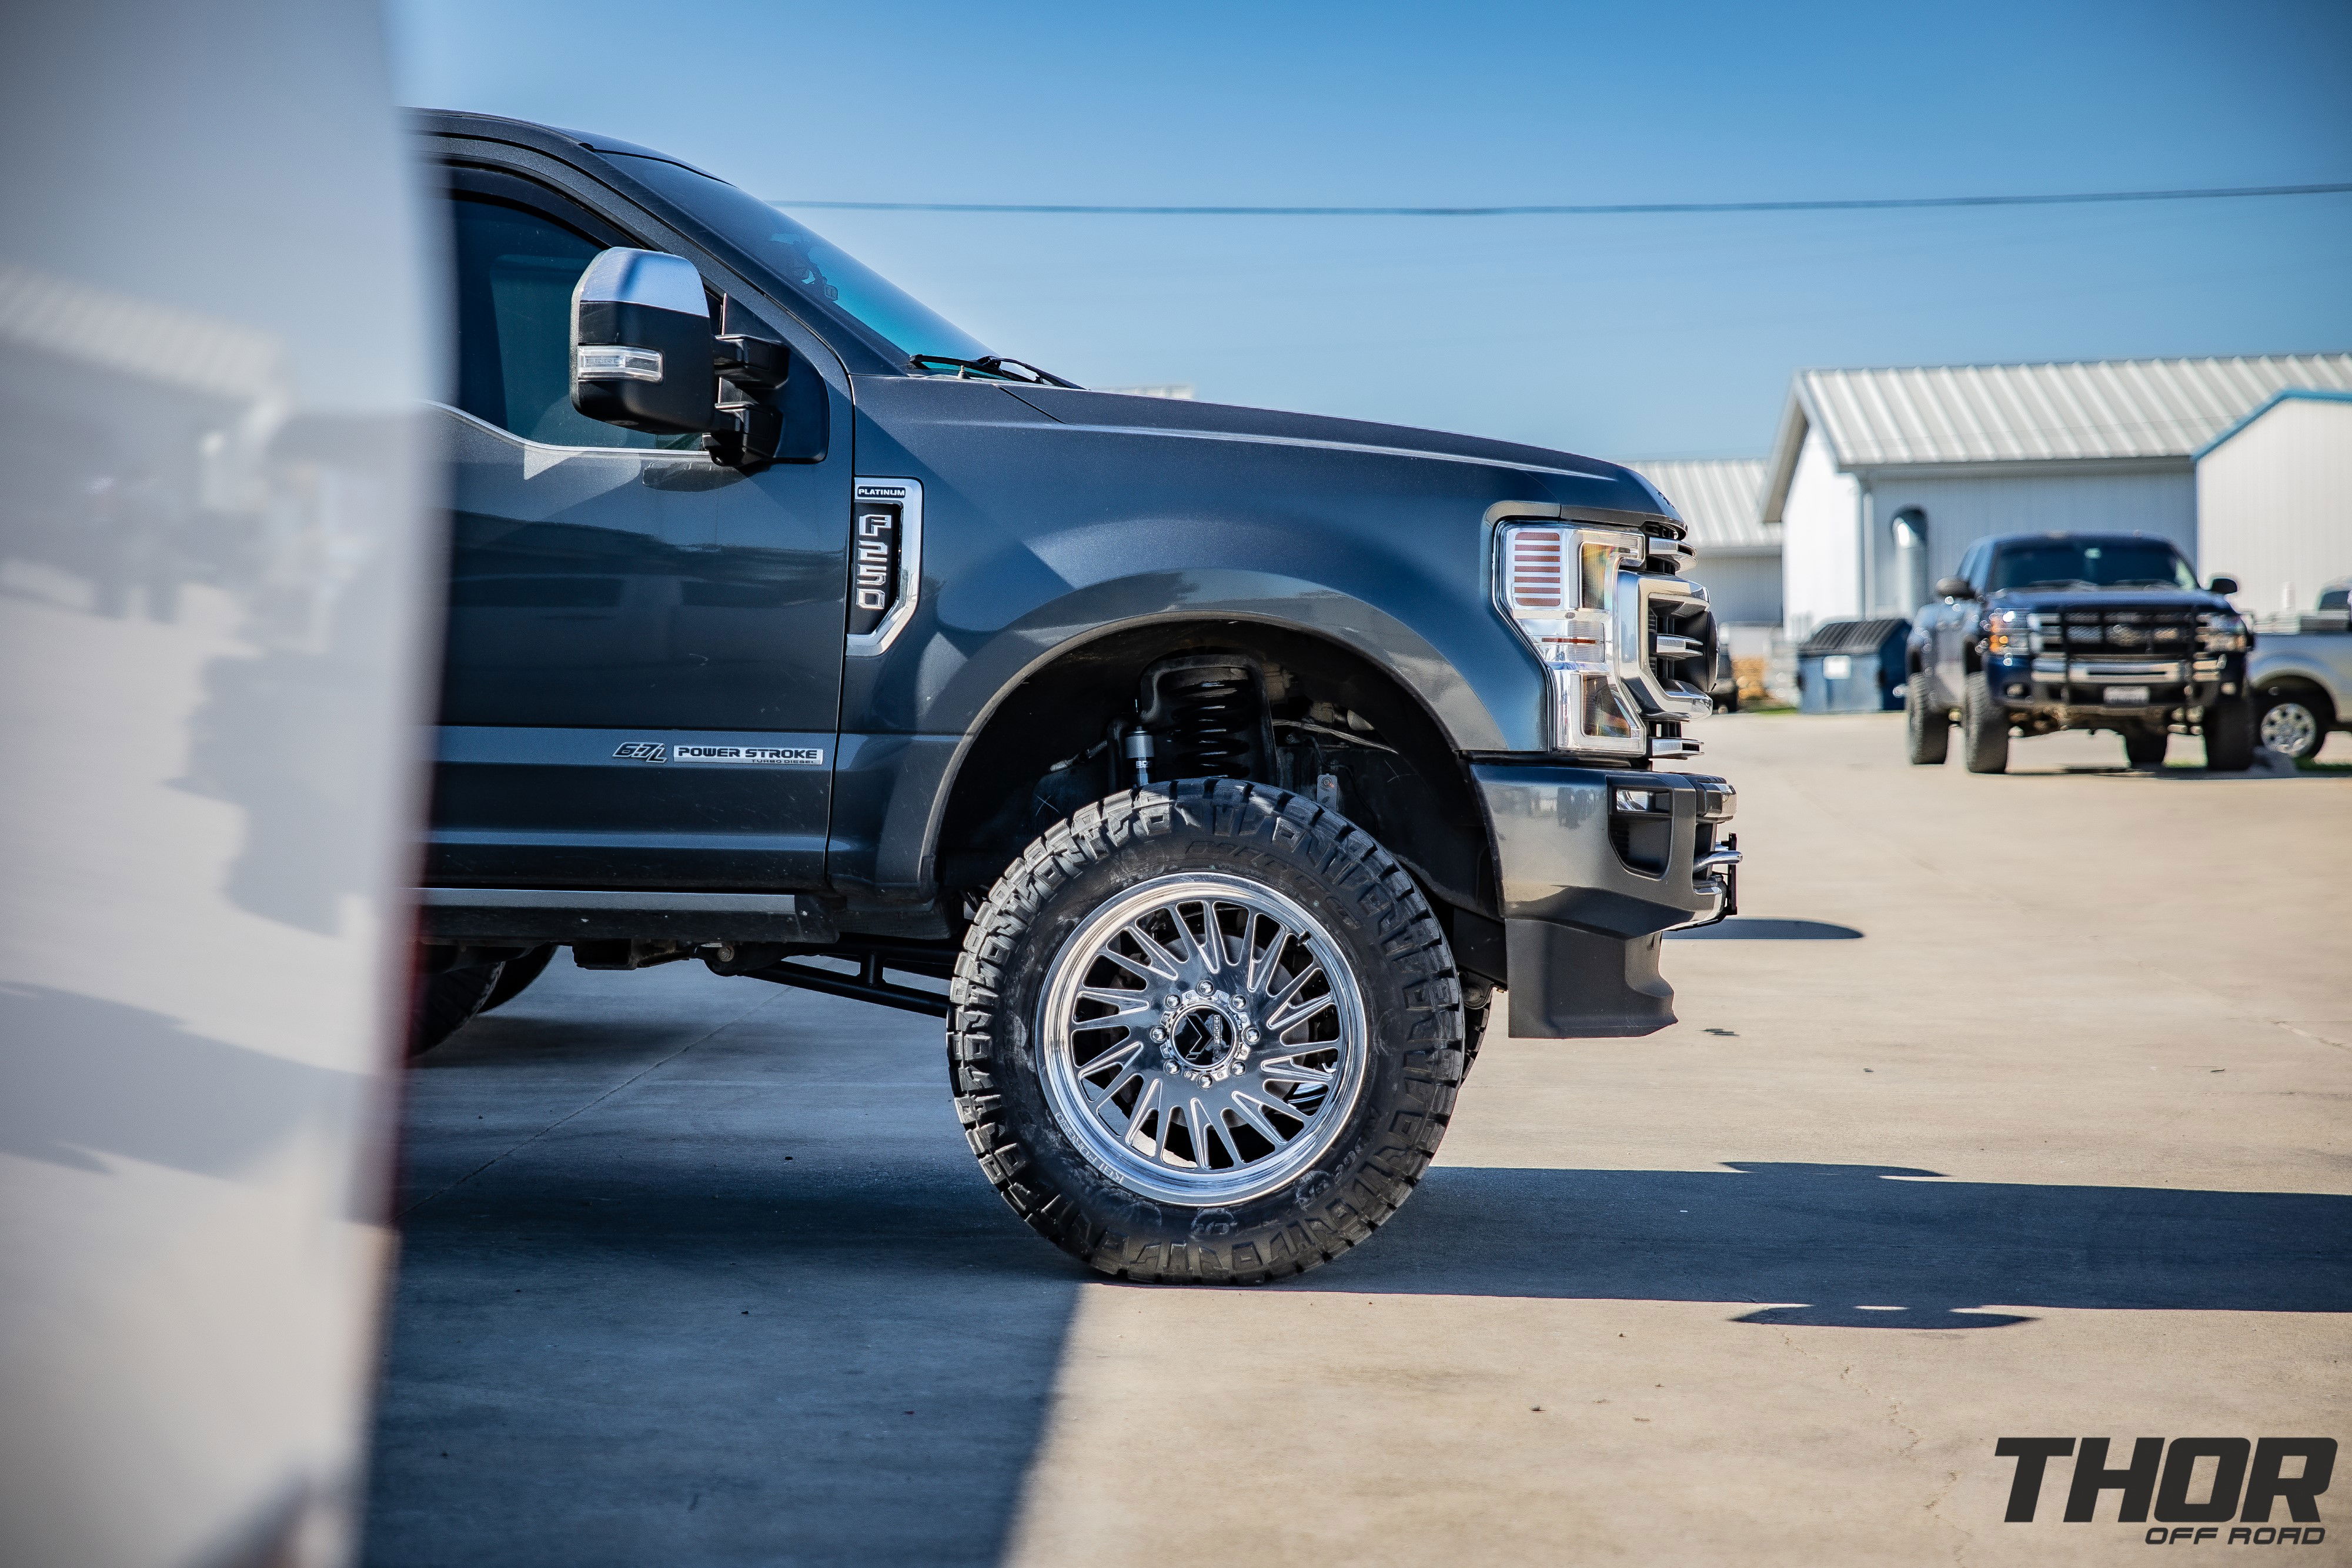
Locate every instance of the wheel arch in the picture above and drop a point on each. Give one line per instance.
(1058, 706)
(2303, 688)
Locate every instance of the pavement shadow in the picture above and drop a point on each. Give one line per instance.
(1758, 928)
(1855, 1245)
(760, 1308)
(2269, 767)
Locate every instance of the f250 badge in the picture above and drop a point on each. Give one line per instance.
(773, 755)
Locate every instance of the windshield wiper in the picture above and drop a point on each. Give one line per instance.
(2056, 582)
(2145, 582)
(994, 365)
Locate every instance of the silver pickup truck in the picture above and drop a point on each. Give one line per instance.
(2301, 676)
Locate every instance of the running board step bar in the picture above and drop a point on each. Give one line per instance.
(476, 915)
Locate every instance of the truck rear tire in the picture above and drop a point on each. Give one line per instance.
(1926, 730)
(2228, 727)
(1205, 1031)
(516, 975)
(2146, 747)
(1984, 727)
(447, 1002)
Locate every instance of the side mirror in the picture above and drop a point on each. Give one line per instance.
(1956, 588)
(642, 354)
(2225, 585)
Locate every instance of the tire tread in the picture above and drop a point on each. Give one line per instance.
(1360, 872)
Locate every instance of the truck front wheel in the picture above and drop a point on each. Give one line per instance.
(2228, 727)
(2146, 747)
(1984, 727)
(2293, 723)
(1205, 1031)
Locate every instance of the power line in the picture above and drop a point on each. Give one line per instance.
(1593, 210)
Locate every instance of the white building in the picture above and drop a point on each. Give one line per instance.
(2275, 500)
(1736, 556)
(1880, 478)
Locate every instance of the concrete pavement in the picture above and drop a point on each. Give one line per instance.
(2054, 1145)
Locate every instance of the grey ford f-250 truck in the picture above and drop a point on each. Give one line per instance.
(1223, 763)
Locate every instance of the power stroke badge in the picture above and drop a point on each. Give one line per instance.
(770, 756)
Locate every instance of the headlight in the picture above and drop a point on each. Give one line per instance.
(1558, 586)
(2221, 632)
(2009, 634)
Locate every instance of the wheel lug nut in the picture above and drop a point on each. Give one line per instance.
(1159, 1034)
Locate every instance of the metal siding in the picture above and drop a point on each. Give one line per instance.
(1962, 508)
(1744, 590)
(2274, 503)
(1821, 534)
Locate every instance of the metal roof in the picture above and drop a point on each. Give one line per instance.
(2086, 411)
(2107, 408)
(1719, 497)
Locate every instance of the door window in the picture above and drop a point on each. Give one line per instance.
(515, 272)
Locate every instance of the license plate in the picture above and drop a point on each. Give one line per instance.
(2127, 696)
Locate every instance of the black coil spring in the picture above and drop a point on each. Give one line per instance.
(1207, 728)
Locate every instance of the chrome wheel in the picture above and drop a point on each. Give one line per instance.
(2290, 728)
(1202, 1039)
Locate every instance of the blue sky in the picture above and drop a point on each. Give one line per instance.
(1618, 336)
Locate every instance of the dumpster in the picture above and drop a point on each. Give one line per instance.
(1853, 667)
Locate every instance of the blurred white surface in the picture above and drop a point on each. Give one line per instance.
(214, 629)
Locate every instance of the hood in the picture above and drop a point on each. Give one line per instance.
(2173, 599)
(1619, 488)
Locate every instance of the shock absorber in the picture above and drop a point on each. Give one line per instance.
(1211, 710)
(1205, 728)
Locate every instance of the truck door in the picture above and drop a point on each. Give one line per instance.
(643, 671)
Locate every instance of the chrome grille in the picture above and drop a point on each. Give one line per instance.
(2129, 632)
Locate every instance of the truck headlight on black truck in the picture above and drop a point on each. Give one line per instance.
(1558, 586)
(2221, 632)
(1624, 652)
(2011, 634)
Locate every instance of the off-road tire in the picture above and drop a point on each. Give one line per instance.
(447, 1002)
(1984, 727)
(2229, 727)
(1374, 913)
(516, 975)
(1927, 729)
(2146, 747)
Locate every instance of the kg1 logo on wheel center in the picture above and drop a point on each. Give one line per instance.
(1207, 1037)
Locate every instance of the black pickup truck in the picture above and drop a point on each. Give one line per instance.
(2040, 632)
(1221, 763)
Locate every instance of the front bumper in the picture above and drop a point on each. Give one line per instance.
(2079, 691)
(1594, 865)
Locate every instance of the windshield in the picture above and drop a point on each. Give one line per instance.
(830, 278)
(2089, 563)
